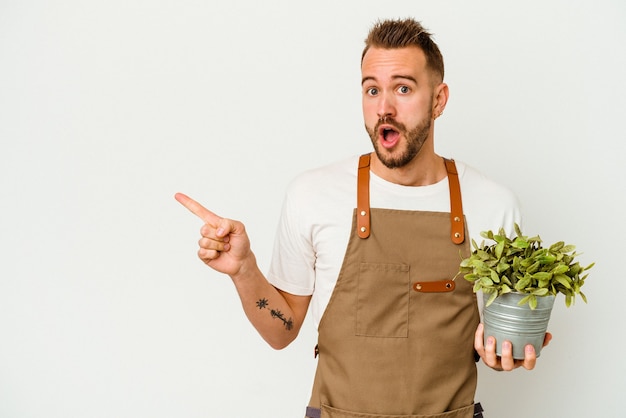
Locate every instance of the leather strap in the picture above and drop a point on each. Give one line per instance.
(433, 287)
(457, 220)
(363, 197)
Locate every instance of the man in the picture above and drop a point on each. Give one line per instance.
(397, 336)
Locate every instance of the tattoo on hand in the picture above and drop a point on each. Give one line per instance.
(264, 303)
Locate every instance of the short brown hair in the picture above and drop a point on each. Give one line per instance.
(402, 33)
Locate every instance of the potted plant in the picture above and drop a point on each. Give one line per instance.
(520, 279)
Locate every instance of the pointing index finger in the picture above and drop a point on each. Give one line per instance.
(197, 209)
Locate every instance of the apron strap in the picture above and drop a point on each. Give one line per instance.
(363, 197)
(457, 220)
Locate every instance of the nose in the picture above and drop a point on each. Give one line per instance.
(386, 106)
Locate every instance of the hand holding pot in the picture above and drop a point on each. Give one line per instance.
(487, 352)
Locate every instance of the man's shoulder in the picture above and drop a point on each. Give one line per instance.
(482, 190)
(474, 177)
(329, 176)
(322, 195)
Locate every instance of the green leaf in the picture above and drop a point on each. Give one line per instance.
(524, 300)
(502, 267)
(519, 243)
(500, 249)
(538, 253)
(523, 283)
(500, 237)
(543, 283)
(542, 275)
(533, 268)
(564, 280)
(477, 263)
(560, 269)
(485, 281)
(477, 286)
(471, 277)
(484, 255)
(547, 259)
(557, 246)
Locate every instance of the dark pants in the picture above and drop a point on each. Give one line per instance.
(316, 413)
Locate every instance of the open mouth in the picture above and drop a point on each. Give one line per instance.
(388, 136)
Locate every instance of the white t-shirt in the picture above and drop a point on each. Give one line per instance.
(316, 219)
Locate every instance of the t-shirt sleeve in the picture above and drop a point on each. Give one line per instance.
(489, 205)
(292, 267)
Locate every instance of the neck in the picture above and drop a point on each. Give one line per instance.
(425, 169)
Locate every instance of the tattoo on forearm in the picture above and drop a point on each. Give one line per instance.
(264, 303)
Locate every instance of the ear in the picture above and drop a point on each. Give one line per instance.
(440, 99)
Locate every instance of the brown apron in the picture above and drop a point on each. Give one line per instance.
(396, 339)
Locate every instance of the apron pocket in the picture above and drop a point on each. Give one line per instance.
(330, 412)
(382, 308)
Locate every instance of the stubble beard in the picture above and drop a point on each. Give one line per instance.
(415, 139)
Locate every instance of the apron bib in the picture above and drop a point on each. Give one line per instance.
(396, 339)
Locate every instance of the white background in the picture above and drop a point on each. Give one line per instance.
(108, 108)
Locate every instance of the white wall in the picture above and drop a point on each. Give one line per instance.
(109, 108)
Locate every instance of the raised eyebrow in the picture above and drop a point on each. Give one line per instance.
(395, 77)
(365, 79)
(405, 77)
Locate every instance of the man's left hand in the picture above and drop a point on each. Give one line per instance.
(506, 362)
